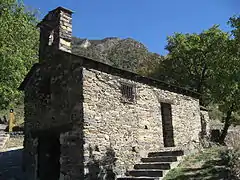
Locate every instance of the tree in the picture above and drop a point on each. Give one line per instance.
(208, 63)
(190, 58)
(225, 84)
(18, 48)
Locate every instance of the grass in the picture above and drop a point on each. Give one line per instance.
(205, 165)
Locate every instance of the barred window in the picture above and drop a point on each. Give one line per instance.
(128, 92)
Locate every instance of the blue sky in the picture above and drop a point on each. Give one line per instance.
(148, 21)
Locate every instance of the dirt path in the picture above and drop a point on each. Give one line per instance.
(10, 165)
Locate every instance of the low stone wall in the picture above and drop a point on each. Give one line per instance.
(233, 137)
(131, 130)
(205, 121)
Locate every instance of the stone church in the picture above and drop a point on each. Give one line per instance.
(84, 117)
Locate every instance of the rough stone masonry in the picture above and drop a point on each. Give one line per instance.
(84, 118)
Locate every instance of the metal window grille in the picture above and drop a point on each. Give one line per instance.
(128, 92)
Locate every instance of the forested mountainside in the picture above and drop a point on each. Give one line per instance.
(123, 53)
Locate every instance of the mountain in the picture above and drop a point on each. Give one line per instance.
(122, 53)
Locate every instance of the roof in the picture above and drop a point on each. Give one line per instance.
(29, 76)
(54, 10)
(94, 64)
(63, 9)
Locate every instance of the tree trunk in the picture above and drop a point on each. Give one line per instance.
(227, 124)
(202, 79)
(201, 84)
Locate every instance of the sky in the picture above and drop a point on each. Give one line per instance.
(147, 21)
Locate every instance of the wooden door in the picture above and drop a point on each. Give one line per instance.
(48, 157)
(167, 125)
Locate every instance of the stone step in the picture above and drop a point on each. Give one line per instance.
(136, 178)
(166, 153)
(160, 159)
(162, 166)
(146, 172)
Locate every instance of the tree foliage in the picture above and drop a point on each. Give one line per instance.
(191, 56)
(18, 48)
(150, 64)
(225, 84)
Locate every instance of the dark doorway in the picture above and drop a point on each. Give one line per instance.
(168, 138)
(48, 157)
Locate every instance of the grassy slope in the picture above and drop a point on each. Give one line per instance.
(206, 165)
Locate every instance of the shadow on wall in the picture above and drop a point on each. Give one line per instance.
(101, 169)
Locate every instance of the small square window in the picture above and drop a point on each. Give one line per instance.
(128, 92)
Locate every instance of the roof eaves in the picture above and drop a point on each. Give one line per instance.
(29, 76)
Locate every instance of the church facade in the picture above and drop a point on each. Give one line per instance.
(81, 113)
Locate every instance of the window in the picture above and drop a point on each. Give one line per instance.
(128, 92)
(51, 38)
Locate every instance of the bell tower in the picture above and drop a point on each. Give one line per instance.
(55, 32)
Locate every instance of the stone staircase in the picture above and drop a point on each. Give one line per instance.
(155, 166)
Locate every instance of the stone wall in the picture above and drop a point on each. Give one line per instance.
(233, 137)
(86, 108)
(58, 109)
(30, 157)
(206, 119)
(65, 31)
(71, 158)
(51, 98)
(132, 130)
